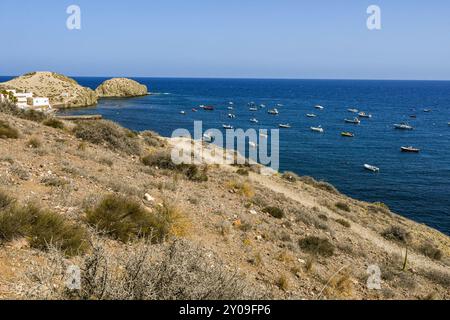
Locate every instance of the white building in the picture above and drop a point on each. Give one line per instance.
(22, 99)
(25, 100)
(39, 102)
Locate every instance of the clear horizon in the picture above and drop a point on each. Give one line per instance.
(264, 39)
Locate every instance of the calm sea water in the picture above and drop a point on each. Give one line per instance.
(414, 185)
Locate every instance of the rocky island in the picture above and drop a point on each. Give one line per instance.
(121, 88)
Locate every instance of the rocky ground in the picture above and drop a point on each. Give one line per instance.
(121, 87)
(283, 237)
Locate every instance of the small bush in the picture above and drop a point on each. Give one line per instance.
(343, 206)
(290, 176)
(241, 187)
(34, 143)
(126, 220)
(152, 139)
(27, 114)
(8, 132)
(274, 212)
(397, 233)
(193, 173)
(5, 200)
(283, 283)
(429, 250)
(54, 123)
(243, 172)
(108, 133)
(43, 228)
(317, 246)
(344, 223)
(160, 159)
(54, 182)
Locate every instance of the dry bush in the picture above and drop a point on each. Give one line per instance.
(27, 114)
(343, 206)
(429, 250)
(243, 172)
(319, 184)
(177, 271)
(34, 143)
(5, 200)
(439, 277)
(42, 228)
(397, 233)
(53, 181)
(8, 132)
(290, 176)
(340, 286)
(274, 212)
(243, 188)
(54, 123)
(317, 246)
(344, 223)
(282, 282)
(379, 207)
(108, 133)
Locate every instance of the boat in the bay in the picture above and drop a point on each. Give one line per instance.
(262, 106)
(253, 109)
(273, 112)
(319, 107)
(353, 121)
(207, 108)
(183, 112)
(317, 129)
(227, 127)
(371, 168)
(364, 115)
(231, 116)
(353, 110)
(208, 138)
(285, 126)
(194, 110)
(410, 149)
(311, 115)
(254, 120)
(347, 134)
(403, 126)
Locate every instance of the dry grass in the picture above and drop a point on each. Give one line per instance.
(274, 212)
(317, 246)
(8, 132)
(243, 188)
(397, 233)
(54, 123)
(34, 143)
(290, 176)
(343, 206)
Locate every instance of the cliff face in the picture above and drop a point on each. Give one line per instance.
(63, 91)
(121, 87)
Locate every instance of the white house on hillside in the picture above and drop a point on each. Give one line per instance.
(25, 100)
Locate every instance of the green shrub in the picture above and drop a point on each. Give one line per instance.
(344, 223)
(317, 246)
(343, 206)
(108, 133)
(43, 228)
(8, 132)
(54, 123)
(126, 220)
(274, 212)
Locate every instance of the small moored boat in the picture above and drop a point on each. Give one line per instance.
(231, 116)
(194, 110)
(371, 168)
(253, 109)
(317, 129)
(254, 120)
(208, 138)
(347, 134)
(353, 121)
(227, 127)
(183, 112)
(273, 112)
(285, 126)
(410, 149)
(207, 108)
(311, 115)
(403, 126)
(353, 110)
(319, 107)
(262, 106)
(364, 115)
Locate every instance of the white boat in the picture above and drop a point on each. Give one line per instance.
(227, 127)
(208, 138)
(262, 106)
(353, 110)
(230, 108)
(274, 112)
(253, 109)
(311, 115)
(371, 168)
(231, 103)
(231, 116)
(254, 120)
(403, 126)
(251, 104)
(427, 110)
(317, 129)
(319, 107)
(410, 149)
(285, 126)
(183, 112)
(353, 121)
(364, 115)
(280, 105)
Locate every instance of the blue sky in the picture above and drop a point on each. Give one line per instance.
(228, 38)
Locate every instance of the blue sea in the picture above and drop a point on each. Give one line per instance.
(416, 186)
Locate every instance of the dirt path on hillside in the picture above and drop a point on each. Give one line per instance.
(415, 261)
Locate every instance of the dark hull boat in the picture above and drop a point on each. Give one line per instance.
(410, 149)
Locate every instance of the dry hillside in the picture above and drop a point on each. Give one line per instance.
(110, 200)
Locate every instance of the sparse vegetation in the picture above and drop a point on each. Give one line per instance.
(343, 206)
(8, 132)
(244, 188)
(317, 246)
(429, 250)
(344, 223)
(5, 200)
(34, 143)
(283, 282)
(108, 133)
(54, 123)
(290, 176)
(243, 172)
(152, 139)
(274, 212)
(319, 184)
(397, 233)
